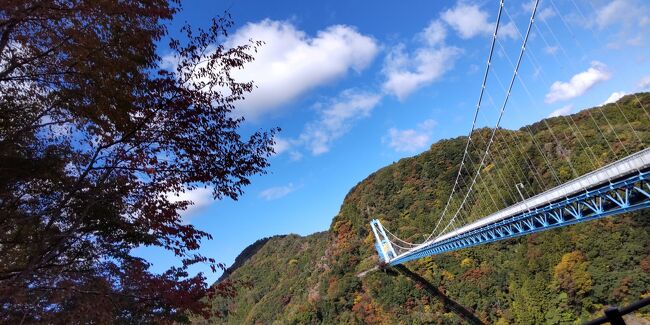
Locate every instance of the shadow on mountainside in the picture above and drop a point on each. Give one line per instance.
(449, 303)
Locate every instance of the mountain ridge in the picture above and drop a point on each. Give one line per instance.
(554, 277)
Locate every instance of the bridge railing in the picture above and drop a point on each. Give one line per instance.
(625, 195)
(614, 315)
(635, 162)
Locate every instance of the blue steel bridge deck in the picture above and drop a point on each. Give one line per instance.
(619, 187)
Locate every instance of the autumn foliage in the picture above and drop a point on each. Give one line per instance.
(562, 276)
(96, 139)
(571, 275)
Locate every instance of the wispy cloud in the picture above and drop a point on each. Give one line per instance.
(612, 12)
(631, 17)
(564, 110)
(336, 119)
(468, 20)
(295, 155)
(543, 13)
(578, 84)
(434, 34)
(407, 71)
(200, 197)
(615, 96)
(546, 13)
(410, 140)
(277, 192)
(644, 83)
(551, 50)
(509, 30)
(281, 145)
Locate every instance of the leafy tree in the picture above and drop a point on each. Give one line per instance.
(571, 275)
(96, 141)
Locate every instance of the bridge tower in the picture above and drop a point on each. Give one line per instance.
(383, 245)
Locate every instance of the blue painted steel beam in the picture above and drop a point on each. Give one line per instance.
(629, 193)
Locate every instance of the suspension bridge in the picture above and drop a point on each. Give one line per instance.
(618, 187)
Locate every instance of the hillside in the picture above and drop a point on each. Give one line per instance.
(246, 254)
(554, 277)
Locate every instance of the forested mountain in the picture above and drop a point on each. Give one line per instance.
(559, 276)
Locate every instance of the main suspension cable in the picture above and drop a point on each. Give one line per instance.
(469, 136)
(476, 112)
(502, 110)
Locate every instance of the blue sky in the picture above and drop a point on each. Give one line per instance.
(357, 85)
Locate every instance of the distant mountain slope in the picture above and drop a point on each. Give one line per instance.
(553, 277)
(275, 275)
(247, 253)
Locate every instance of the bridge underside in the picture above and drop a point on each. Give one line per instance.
(628, 193)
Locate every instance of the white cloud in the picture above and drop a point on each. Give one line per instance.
(615, 96)
(410, 140)
(636, 41)
(336, 119)
(542, 13)
(627, 17)
(473, 68)
(295, 155)
(281, 145)
(468, 20)
(551, 50)
(644, 83)
(509, 30)
(613, 12)
(564, 110)
(434, 34)
(536, 72)
(528, 6)
(291, 63)
(546, 13)
(644, 21)
(201, 197)
(632, 13)
(277, 192)
(405, 72)
(578, 84)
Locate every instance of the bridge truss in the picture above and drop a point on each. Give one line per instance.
(628, 194)
(620, 187)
